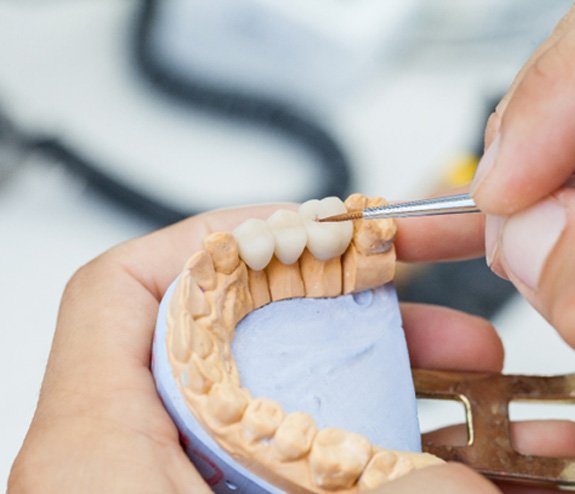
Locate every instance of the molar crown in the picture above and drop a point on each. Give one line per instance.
(326, 240)
(287, 233)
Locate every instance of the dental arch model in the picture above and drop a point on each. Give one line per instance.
(290, 255)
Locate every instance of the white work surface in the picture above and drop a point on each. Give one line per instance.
(65, 69)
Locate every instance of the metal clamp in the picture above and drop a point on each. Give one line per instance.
(486, 398)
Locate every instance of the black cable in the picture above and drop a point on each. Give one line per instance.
(105, 184)
(233, 103)
(198, 94)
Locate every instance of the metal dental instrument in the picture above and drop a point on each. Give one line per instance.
(456, 204)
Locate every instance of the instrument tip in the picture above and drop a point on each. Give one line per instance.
(350, 215)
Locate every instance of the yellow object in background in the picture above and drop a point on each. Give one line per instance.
(461, 170)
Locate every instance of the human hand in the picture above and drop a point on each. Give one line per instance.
(100, 426)
(524, 181)
(525, 185)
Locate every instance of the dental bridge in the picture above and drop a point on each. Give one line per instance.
(256, 444)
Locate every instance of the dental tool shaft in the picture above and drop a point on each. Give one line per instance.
(456, 204)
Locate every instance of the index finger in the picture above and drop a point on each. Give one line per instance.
(440, 238)
(531, 155)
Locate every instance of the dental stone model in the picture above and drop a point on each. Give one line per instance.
(299, 307)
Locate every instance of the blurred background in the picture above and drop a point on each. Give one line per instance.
(119, 116)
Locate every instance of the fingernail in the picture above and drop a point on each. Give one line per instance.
(493, 225)
(528, 238)
(485, 164)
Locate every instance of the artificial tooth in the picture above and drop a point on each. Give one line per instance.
(255, 242)
(289, 234)
(326, 240)
(338, 457)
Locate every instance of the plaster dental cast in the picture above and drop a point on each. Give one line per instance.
(100, 425)
(314, 303)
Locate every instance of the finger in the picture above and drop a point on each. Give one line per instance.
(77, 454)
(446, 339)
(532, 153)
(440, 238)
(494, 121)
(551, 438)
(98, 372)
(534, 249)
(544, 437)
(443, 479)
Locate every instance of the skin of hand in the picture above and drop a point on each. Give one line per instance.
(100, 426)
(525, 181)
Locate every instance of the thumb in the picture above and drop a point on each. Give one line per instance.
(534, 249)
(444, 479)
(531, 149)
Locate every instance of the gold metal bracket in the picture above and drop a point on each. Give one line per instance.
(486, 397)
